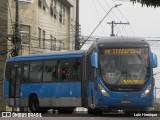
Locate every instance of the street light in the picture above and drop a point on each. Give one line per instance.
(103, 19)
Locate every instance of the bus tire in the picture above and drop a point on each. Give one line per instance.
(94, 111)
(67, 110)
(34, 104)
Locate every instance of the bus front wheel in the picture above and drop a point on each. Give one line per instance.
(34, 104)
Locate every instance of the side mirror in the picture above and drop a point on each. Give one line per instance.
(154, 63)
(94, 60)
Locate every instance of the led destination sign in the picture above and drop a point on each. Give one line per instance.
(122, 51)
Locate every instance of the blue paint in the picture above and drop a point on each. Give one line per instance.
(52, 90)
(6, 89)
(46, 56)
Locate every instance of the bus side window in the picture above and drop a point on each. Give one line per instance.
(12, 82)
(76, 74)
(65, 70)
(35, 73)
(25, 72)
(50, 70)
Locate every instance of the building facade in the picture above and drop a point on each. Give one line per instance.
(45, 26)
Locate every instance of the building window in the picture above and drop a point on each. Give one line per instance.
(25, 34)
(44, 8)
(54, 2)
(39, 3)
(61, 45)
(53, 43)
(53, 9)
(42, 4)
(60, 14)
(39, 37)
(64, 15)
(44, 34)
(60, 17)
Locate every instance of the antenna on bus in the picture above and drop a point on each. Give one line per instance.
(102, 20)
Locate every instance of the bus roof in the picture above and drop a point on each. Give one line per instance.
(52, 55)
(122, 42)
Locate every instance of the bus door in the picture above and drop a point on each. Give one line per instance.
(70, 85)
(75, 85)
(14, 86)
(63, 87)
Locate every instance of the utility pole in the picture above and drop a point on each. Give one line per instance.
(16, 37)
(102, 20)
(113, 25)
(77, 26)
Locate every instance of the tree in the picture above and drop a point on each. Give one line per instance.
(152, 3)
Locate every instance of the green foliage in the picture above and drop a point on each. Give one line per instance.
(148, 3)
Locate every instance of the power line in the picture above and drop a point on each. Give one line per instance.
(118, 20)
(112, 11)
(125, 18)
(98, 16)
(102, 20)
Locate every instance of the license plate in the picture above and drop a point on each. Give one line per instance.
(125, 102)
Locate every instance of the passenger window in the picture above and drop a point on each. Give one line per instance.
(76, 70)
(35, 73)
(50, 70)
(65, 70)
(25, 71)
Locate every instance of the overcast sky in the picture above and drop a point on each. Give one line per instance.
(144, 22)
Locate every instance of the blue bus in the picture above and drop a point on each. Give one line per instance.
(115, 73)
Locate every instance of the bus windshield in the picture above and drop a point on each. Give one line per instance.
(124, 69)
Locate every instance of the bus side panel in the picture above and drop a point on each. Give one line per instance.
(91, 94)
(26, 91)
(63, 94)
(75, 94)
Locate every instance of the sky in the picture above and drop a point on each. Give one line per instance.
(144, 21)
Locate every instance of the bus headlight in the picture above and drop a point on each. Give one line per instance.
(147, 91)
(103, 91)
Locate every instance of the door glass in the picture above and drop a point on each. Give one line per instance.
(76, 74)
(65, 70)
(12, 82)
(14, 88)
(18, 79)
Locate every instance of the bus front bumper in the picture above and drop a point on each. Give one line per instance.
(125, 104)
